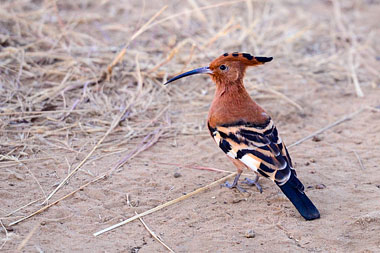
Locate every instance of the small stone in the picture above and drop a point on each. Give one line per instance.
(135, 249)
(307, 163)
(235, 201)
(250, 234)
(15, 175)
(312, 160)
(177, 175)
(9, 229)
(43, 223)
(317, 138)
(320, 186)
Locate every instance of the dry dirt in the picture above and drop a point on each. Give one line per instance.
(308, 86)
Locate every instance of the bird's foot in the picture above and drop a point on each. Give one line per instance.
(233, 185)
(254, 182)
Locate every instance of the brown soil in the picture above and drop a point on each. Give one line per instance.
(311, 44)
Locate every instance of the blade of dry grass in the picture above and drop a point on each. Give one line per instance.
(27, 168)
(24, 206)
(145, 146)
(359, 159)
(279, 94)
(42, 112)
(171, 54)
(354, 76)
(182, 13)
(12, 163)
(157, 208)
(121, 54)
(154, 234)
(6, 234)
(230, 26)
(55, 202)
(343, 119)
(27, 238)
(113, 125)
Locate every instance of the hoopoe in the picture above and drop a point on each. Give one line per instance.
(246, 133)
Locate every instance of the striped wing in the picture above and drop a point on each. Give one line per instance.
(259, 147)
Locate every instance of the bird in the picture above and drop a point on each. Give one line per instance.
(246, 133)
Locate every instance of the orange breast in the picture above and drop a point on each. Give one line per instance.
(233, 103)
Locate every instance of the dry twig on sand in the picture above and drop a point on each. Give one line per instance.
(165, 204)
(154, 234)
(146, 143)
(343, 119)
(27, 238)
(113, 125)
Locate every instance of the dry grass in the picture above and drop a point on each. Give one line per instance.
(82, 81)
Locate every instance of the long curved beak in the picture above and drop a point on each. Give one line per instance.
(204, 70)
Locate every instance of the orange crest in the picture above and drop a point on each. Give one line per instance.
(245, 58)
(226, 68)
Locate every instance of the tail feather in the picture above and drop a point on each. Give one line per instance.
(293, 189)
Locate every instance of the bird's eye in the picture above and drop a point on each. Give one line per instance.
(222, 67)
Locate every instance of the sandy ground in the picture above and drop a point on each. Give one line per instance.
(339, 167)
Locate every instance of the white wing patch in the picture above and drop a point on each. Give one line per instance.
(250, 162)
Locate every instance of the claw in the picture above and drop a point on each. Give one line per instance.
(230, 186)
(254, 182)
(234, 184)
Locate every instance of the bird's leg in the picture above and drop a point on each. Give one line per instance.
(235, 183)
(240, 166)
(254, 182)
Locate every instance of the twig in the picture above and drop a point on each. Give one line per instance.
(150, 143)
(55, 202)
(171, 54)
(268, 89)
(359, 160)
(113, 125)
(27, 168)
(345, 118)
(375, 109)
(181, 14)
(27, 238)
(143, 146)
(6, 234)
(5, 164)
(121, 54)
(223, 32)
(354, 76)
(196, 167)
(344, 30)
(154, 234)
(22, 207)
(198, 13)
(164, 205)
(41, 112)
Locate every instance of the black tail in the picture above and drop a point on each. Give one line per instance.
(293, 189)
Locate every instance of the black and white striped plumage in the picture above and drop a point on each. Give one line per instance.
(259, 147)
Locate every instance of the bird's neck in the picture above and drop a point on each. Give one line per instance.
(235, 89)
(232, 103)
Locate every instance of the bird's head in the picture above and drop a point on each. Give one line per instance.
(229, 67)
